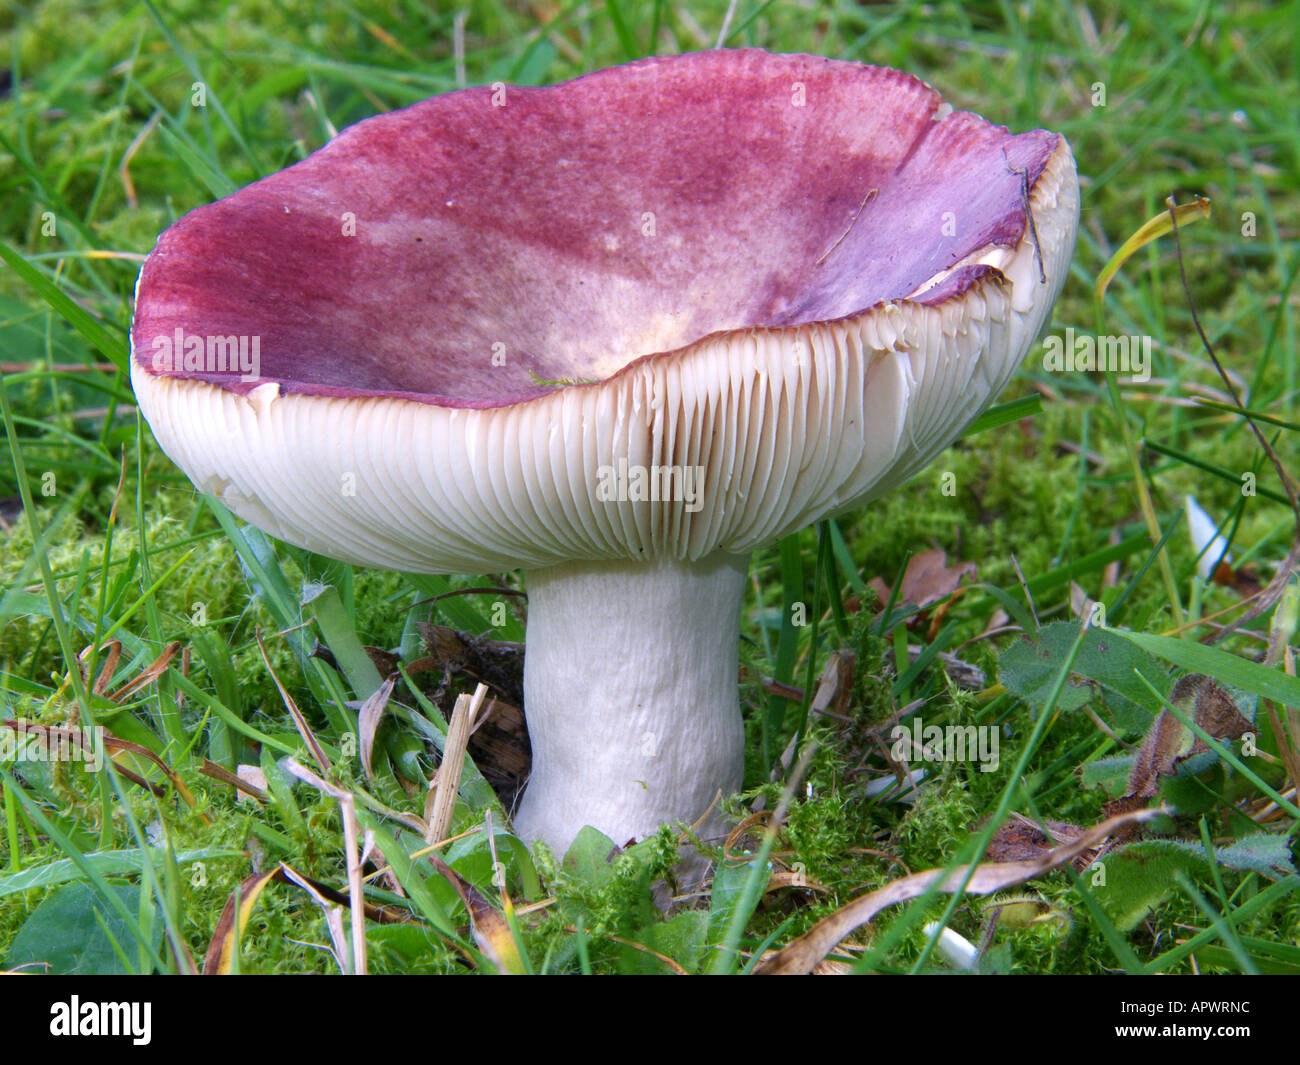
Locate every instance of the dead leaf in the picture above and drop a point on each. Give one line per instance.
(248, 779)
(1169, 742)
(927, 579)
(348, 807)
(490, 929)
(1244, 580)
(497, 663)
(333, 918)
(113, 745)
(151, 673)
(793, 878)
(1020, 839)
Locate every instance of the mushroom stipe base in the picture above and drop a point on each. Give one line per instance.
(630, 689)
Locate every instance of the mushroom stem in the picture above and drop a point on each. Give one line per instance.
(630, 690)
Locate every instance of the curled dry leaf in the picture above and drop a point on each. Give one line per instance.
(802, 956)
(491, 931)
(1169, 743)
(793, 878)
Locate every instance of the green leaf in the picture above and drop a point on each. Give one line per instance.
(322, 602)
(72, 933)
(588, 858)
(107, 863)
(1141, 875)
(1105, 667)
(1004, 413)
(1266, 853)
(1194, 786)
(409, 946)
(728, 887)
(683, 938)
(1109, 774)
(1224, 667)
(1262, 953)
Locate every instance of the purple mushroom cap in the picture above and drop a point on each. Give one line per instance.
(627, 213)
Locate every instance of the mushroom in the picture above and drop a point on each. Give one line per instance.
(619, 333)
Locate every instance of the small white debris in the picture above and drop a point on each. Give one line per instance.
(1206, 541)
(954, 949)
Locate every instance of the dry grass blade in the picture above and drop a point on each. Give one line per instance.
(155, 670)
(802, 956)
(441, 800)
(348, 805)
(333, 917)
(225, 776)
(300, 722)
(834, 687)
(677, 968)
(106, 671)
(1154, 228)
(372, 710)
(124, 169)
(65, 736)
(221, 951)
(380, 913)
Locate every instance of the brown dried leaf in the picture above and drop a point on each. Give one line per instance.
(1169, 742)
(793, 878)
(247, 782)
(155, 670)
(1020, 839)
(497, 663)
(113, 746)
(107, 669)
(1244, 580)
(501, 750)
(928, 578)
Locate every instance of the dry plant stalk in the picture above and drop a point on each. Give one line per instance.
(441, 800)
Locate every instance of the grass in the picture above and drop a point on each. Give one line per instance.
(102, 147)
